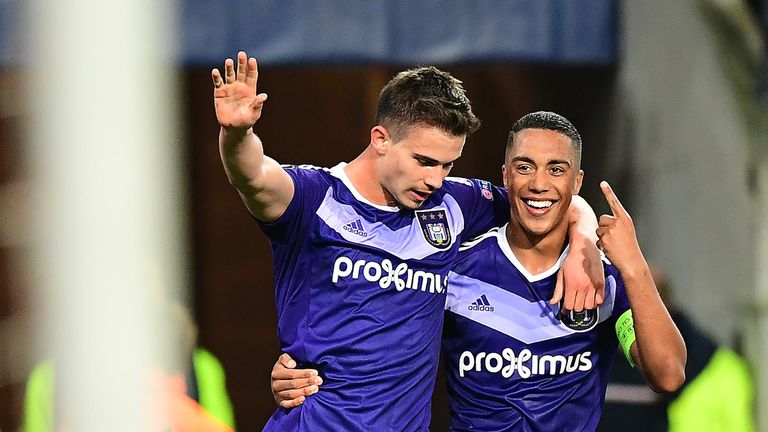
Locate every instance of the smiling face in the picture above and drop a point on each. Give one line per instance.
(414, 167)
(541, 173)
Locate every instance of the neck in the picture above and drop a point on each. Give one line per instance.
(363, 172)
(536, 253)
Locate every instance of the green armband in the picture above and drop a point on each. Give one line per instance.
(625, 331)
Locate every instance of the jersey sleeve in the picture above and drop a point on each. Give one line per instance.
(484, 205)
(310, 185)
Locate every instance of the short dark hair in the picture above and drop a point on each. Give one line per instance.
(550, 121)
(425, 96)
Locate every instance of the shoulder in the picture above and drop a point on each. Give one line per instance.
(307, 171)
(476, 251)
(468, 187)
(311, 182)
(480, 242)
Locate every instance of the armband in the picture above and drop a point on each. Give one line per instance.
(625, 332)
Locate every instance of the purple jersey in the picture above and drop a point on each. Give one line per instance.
(512, 365)
(360, 291)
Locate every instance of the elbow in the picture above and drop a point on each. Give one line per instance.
(665, 372)
(245, 185)
(669, 382)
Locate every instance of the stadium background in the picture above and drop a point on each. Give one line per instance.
(669, 97)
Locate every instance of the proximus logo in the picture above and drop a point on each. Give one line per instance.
(387, 274)
(525, 363)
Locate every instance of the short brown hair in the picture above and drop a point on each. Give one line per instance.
(425, 96)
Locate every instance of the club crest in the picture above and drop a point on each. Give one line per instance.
(580, 321)
(434, 226)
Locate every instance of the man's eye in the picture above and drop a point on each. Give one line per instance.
(558, 170)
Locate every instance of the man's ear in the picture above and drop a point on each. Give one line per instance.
(579, 179)
(504, 175)
(380, 139)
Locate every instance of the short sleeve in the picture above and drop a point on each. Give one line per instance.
(484, 205)
(310, 185)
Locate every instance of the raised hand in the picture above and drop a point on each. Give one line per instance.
(616, 234)
(659, 349)
(237, 104)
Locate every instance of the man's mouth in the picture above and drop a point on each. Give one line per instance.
(539, 204)
(420, 196)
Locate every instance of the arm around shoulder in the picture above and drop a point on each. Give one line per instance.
(581, 282)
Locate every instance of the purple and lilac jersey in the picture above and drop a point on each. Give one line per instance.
(360, 291)
(512, 365)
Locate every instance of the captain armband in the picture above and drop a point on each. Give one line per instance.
(625, 332)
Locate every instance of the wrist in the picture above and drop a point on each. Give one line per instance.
(235, 132)
(634, 272)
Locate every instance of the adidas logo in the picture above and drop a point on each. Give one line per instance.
(481, 304)
(355, 227)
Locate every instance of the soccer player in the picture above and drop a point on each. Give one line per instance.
(362, 250)
(512, 363)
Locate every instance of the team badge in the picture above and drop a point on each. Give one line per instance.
(434, 226)
(580, 321)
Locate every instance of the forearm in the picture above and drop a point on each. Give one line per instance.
(583, 280)
(242, 154)
(582, 222)
(263, 185)
(659, 349)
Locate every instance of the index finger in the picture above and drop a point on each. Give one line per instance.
(613, 201)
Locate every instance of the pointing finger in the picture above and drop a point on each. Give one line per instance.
(613, 201)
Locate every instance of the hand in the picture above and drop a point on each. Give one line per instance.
(582, 278)
(581, 281)
(616, 234)
(237, 104)
(290, 386)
